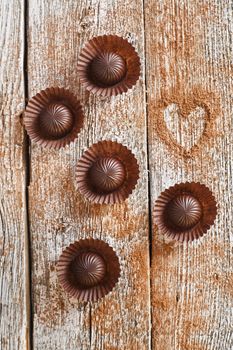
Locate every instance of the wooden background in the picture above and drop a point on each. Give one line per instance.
(178, 122)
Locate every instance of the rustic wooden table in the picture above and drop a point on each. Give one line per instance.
(176, 120)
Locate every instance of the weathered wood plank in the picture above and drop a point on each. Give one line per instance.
(13, 314)
(188, 52)
(58, 214)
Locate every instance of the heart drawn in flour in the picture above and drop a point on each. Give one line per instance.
(185, 129)
(185, 123)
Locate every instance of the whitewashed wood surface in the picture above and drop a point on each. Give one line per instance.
(13, 222)
(169, 296)
(188, 53)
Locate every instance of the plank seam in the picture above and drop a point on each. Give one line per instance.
(150, 225)
(28, 270)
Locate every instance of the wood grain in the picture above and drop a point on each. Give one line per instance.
(13, 248)
(188, 49)
(183, 126)
(58, 214)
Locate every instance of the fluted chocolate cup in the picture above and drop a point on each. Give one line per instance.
(107, 173)
(53, 117)
(185, 212)
(88, 269)
(108, 65)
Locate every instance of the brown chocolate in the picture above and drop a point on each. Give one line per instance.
(107, 69)
(185, 211)
(108, 65)
(56, 121)
(88, 269)
(107, 173)
(53, 117)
